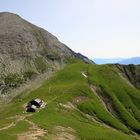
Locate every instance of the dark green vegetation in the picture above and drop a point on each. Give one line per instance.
(101, 107)
(13, 79)
(40, 64)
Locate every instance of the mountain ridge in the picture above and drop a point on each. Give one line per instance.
(132, 60)
(101, 105)
(84, 101)
(27, 51)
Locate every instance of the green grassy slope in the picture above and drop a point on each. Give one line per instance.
(119, 91)
(71, 103)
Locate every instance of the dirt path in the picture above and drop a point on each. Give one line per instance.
(34, 133)
(17, 119)
(68, 105)
(8, 126)
(63, 133)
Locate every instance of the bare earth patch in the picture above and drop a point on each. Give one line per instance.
(69, 105)
(63, 133)
(34, 133)
(17, 119)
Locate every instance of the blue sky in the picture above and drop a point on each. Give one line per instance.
(96, 28)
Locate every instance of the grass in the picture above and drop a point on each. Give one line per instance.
(11, 133)
(93, 107)
(65, 86)
(119, 91)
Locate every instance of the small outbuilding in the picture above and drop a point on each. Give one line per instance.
(34, 104)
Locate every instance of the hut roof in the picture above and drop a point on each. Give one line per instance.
(38, 100)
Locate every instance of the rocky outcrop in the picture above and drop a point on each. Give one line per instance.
(131, 72)
(86, 59)
(27, 50)
(21, 43)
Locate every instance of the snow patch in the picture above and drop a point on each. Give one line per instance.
(84, 74)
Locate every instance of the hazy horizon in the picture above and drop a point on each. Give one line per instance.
(95, 28)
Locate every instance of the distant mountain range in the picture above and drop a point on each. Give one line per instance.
(133, 60)
(125, 61)
(107, 60)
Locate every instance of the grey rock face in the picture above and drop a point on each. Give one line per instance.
(20, 37)
(27, 50)
(21, 42)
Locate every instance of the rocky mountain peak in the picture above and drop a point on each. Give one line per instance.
(26, 49)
